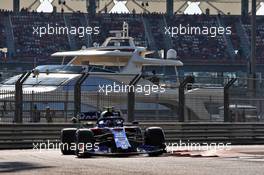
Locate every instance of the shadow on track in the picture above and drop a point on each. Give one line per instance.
(6, 167)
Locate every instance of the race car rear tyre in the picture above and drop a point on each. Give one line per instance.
(154, 136)
(134, 136)
(84, 140)
(67, 139)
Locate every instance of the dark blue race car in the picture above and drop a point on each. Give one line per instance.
(111, 138)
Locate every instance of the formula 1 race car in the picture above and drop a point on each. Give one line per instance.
(111, 138)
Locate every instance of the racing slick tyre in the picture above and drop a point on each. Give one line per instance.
(84, 142)
(67, 139)
(154, 136)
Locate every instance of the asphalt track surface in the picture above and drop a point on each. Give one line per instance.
(31, 162)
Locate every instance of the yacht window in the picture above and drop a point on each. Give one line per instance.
(33, 80)
(100, 69)
(91, 83)
(96, 81)
(12, 80)
(45, 81)
(120, 42)
(52, 81)
(60, 68)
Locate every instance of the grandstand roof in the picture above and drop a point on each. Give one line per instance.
(215, 6)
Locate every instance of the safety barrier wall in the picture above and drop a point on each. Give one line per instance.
(18, 136)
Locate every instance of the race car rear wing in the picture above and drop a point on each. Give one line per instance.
(95, 115)
(89, 116)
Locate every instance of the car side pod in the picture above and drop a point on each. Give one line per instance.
(154, 136)
(67, 139)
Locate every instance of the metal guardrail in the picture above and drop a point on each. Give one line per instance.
(18, 136)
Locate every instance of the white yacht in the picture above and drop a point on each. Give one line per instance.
(116, 62)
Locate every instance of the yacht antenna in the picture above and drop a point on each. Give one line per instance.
(125, 29)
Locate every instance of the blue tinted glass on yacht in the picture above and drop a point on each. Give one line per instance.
(74, 69)
(12, 80)
(120, 42)
(33, 80)
(91, 83)
(60, 68)
(53, 81)
(100, 69)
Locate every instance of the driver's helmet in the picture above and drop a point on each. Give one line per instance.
(108, 111)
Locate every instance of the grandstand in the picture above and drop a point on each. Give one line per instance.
(146, 28)
(194, 48)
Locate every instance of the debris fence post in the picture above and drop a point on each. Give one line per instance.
(183, 84)
(77, 93)
(227, 117)
(131, 99)
(18, 118)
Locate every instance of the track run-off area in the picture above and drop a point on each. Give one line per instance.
(238, 160)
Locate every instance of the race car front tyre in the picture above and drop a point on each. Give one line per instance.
(67, 140)
(154, 136)
(84, 142)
